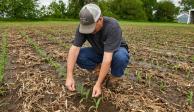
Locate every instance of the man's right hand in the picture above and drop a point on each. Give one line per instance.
(71, 60)
(70, 83)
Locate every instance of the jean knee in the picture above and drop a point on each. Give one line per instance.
(121, 59)
(84, 59)
(120, 62)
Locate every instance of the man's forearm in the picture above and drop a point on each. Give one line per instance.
(103, 72)
(71, 60)
(107, 59)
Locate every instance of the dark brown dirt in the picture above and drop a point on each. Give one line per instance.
(162, 53)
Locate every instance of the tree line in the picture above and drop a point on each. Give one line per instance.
(137, 10)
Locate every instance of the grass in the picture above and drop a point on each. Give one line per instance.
(70, 22)
(3, 56)
(154, 24)
(59, 68)
(37, 23)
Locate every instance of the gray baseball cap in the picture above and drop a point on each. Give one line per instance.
(89, 15)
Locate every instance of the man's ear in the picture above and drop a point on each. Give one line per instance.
(101, 19)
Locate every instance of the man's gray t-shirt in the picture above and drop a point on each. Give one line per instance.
(108, 39)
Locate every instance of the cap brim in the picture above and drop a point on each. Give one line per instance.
(87, 29)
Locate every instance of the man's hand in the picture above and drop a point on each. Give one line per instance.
(71, 60)
(96, 90)
(70, 83)
(107, 58)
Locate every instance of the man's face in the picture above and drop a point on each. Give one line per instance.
(99, 25)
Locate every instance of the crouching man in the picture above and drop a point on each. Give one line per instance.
(107, 47)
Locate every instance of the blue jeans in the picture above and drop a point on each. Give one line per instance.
(89, 59)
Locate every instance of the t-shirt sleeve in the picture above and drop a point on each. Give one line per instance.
(113, 40)
(79, 39)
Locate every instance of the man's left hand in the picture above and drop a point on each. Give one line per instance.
(96, 90)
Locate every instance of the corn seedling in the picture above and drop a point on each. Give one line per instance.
(127, 72)
(2, 103)
(2, 91)
(155, 62)
(190, 97)
(192, 58)
(148, 78)
(188, 76)
(80, 88)
(139, 75)
(62, 71)
(53, 39)
(176, 67)
(83, 92)
(44, 55)
(58, 42)
(3, 56)
(162, 86)
(96, 104)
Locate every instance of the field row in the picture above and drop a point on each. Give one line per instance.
(160, 77)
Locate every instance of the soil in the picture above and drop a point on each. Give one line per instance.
(162, 55)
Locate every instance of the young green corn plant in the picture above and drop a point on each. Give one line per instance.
(190, 97)
(61, 43)
(3, 56)
(80, 88)
(83, 92)
(192, 58)
(96, 104)
(59, 68)
(127, 72)
(53, 39)
(175, 67)
(139, 75)
(188, 76)
(44, 55)
(62, 71)
(162, 86)
(148, 78)
(2, 91)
